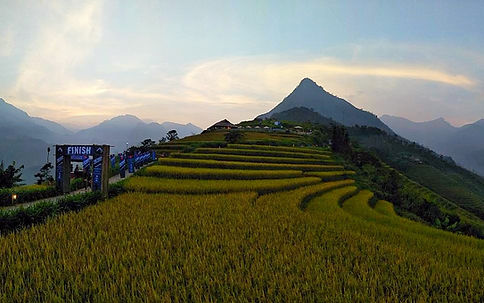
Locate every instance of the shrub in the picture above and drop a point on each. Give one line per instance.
(26, 193)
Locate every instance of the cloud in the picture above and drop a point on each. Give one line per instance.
(61, 45)
(260, 82)
(55, 81)
(249, 73)
(6, 42)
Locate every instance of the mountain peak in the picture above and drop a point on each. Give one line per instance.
(308, 83)
(310, 95)
(308, 80)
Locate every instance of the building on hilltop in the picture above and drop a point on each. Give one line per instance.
(224, 124)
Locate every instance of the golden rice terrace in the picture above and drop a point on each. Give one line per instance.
(240, 223)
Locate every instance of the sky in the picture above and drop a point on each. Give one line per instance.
(81, 62)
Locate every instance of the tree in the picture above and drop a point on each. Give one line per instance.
(172, 135)
(147, 144)
(340, 141)
(44, 174)
(10, 176)
(233, 136)
(318, 138)
(162, 140)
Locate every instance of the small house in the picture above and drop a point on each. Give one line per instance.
(224, 124)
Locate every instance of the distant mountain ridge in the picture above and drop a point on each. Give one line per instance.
(312, 96)
(464, 144)
(25, 139)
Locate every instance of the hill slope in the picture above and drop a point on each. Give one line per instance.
(464, 144)
(309, 95)
(302, 114)
(190, 232)
(455, 185)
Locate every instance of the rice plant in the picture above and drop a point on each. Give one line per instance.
(331, 175)
(261, 152)
(185, 162)
(211, 173)
(189, 186)
(259, 159)
(310, 150)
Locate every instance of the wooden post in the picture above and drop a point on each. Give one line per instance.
(66, 174)
(105, 172)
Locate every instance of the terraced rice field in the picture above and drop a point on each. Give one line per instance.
(256, 229)
(214, 173)
(260, 152)
(256, 159)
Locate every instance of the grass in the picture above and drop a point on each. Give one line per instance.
(158, 185)
(245, 165)
(260, 152)
(252, 158)
(213, 173)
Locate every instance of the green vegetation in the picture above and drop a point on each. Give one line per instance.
(10, 176)
(437, 173)
(77, 183)
(233, 136)
(26, 193)
(210, 173)
(411, 199)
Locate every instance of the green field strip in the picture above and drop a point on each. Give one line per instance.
(300, 196)
(216, 173)
(331, 175)
(245, 165)
(327, 186)
(358, 207)
(385, 208)
(358, 204)
(188, 186)
(331, 199)
(265, 153)
(252, 158)
(310, 150)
